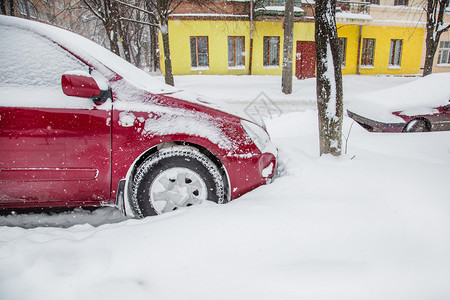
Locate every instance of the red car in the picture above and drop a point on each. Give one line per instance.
(79, 126)
(418, 106)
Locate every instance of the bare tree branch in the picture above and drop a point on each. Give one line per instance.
(137, 8)
(140, 22)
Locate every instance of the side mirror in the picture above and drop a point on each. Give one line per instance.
(82, 84)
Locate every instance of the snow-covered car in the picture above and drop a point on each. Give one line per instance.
(79, 126)
(418, 106)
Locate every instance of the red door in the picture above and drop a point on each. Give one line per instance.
(305, 63)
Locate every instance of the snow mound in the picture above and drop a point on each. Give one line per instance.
(417, 97)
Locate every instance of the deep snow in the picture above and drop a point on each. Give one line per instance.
(372, 224)
(419, 97)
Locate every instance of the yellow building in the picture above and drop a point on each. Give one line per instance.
(205, 42)
(383, 49)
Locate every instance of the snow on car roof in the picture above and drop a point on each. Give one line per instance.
(91, 52)
(417, 97)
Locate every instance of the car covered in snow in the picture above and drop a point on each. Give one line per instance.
(418, 106)
(79, 126)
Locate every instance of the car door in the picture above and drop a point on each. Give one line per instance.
(53, 148)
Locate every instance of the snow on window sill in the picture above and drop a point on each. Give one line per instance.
(199, 68)
(391, 67)
(443, 65)
(271, 67)
(368, 67)
(236, 68)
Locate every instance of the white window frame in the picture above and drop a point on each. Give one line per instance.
(236, 59)
(444, 54)
(270, 59)
(395, 54)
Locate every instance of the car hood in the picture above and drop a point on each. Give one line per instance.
(419, 97)
(201, 100)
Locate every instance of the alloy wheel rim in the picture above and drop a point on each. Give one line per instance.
(177, 187)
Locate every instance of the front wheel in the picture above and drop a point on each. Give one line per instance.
(176, 177)
(417, 125)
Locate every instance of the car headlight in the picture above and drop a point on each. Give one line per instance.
(259, 136)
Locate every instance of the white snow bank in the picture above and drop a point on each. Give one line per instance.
(278, 8)
(353, 16)
(372, 224)
(372, 227)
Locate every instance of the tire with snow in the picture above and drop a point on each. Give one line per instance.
(176, 177)
(417, 125)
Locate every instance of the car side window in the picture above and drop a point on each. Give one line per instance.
(29, 60)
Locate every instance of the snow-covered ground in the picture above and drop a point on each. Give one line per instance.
(372, 224)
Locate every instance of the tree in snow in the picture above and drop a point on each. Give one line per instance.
(136, 17)
(160, 11)
(329, 78)
(125, 23)
(163, 8)
(107, 11)
(288, 47)
(435, 10)
(2, 7)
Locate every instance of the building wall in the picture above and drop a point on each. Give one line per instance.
(411, 50)
(217, 32)
(351, 32)
(411, 16)
(302, 32)
(439, 68)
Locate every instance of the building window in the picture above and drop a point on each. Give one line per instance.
(395, 56)
(444, 53)
(343, 50)
(199, 51)
(271, 51)
(401, 2)
(368, 52)
(376, 2)
(236, 52)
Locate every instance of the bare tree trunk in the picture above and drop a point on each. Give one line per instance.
(435, 11)
(154, 59)
(11, 7)
(431, 47)
(168, 76)
(27, 8)
(329, 78)
(124, 40)
(3, 7)
(111, 32)
(286, 81)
